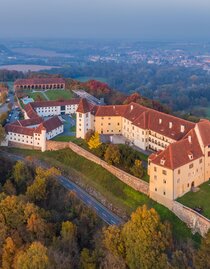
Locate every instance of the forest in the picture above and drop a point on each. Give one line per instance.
(42, 225)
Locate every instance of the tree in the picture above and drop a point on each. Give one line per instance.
(9, 188)
(112, 154)
(34, 257)
(2, 134)
(94, 141)
(36, 225)
(12, 209)
(137, 170)
(88, 135)
(21, 173)
(68, 231)
(9, 250)
(88, 260)
(113, 241)
(201, 259)
(38, 190)
(146, 239)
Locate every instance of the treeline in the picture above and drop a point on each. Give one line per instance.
(180, 88)
(42, 225)
(7, 75)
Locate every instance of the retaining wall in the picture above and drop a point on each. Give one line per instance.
(128, 179)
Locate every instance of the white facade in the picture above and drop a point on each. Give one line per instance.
(36, 140)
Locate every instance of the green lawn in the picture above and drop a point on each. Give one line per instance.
(198, 199)
(59, 94)
(116, 192)
(36, 95)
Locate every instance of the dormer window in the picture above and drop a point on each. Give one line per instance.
(182, 128)
(162, 161)
(160, 121)
(190, 155)
(170, 124)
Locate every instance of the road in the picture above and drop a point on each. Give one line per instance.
(104, 213)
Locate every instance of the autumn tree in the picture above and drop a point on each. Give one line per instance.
(146, 240)
(35, 256)
(9, 251)
(94, 141)
(21, 173)
(137, 170)
(88, 259)
(112, 154)
(88, 135)
(37, 191)
(201, 258)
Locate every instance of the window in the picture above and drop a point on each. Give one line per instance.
(164, 181)
(155, 177)
(155, 189)
(178, 180)
(164, 193)
(155, 169)
(80, 115)
(200, 161)
(118, 123)
(164, 172)
(86, 115)
(191, 165)
(179, 172)
(209, 154)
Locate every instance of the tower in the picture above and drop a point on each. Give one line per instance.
(83, 118)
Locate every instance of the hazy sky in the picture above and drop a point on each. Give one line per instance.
(141, 19)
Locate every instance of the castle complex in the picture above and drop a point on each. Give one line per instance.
(182, 158)
(181, 149)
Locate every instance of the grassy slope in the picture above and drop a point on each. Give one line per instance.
(198, 199)
(115, 191)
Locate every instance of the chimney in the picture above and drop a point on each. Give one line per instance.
(190, 139)
(131, 107)
(113, 107)
(160, 121)
(170, 124)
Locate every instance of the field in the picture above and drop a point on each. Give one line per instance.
(58, 94)
(91, 175)
(198, 199)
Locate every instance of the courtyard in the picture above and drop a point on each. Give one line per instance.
(199, 201)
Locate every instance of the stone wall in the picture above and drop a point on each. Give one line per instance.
(194, 220)
(128, 179)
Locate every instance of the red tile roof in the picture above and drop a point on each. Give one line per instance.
(204, 130)
(177, 154)
(147, 118)
(24, 126)
(73, 101)
(84, 106)
(35, 81)
(52, 124)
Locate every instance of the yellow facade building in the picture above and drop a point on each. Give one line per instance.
(182, 149)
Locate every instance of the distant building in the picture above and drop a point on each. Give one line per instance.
(40, 84)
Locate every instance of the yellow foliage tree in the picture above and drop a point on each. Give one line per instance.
(94, 141)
